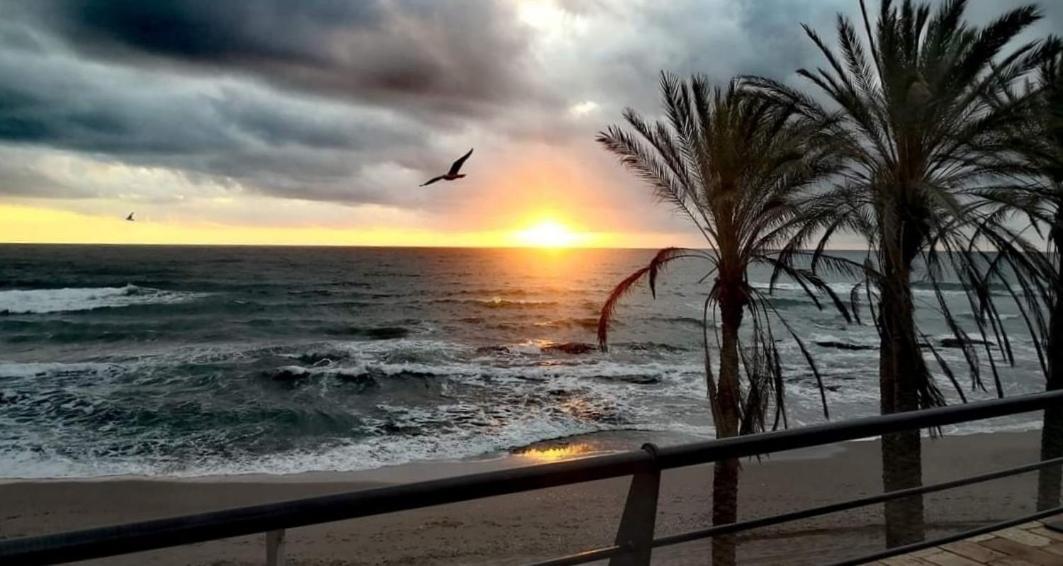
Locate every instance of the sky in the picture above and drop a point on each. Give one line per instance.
(314, 122)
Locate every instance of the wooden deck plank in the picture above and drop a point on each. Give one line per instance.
(905, 561)
(1023, 552)
(974, 551)
(1024, 537)
(1009, 561)
(1047, 533)
(951, 559)
(1028, 544)
(1054, 548)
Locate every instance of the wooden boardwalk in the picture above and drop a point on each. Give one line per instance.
(1030, 544)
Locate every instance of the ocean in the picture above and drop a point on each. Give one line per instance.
(185, 361)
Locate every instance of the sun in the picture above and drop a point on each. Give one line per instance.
(547, 234)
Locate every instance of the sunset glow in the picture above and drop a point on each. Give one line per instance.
(548, 234)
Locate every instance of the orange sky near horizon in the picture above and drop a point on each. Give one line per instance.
(38, 224)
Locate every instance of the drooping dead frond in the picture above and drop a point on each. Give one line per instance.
(651, 271)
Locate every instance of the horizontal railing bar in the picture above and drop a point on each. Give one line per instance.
(740, 526)
(581, 557)
(161, 533)
(916, 547)
(830, 433)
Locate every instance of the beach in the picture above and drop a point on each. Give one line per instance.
(524, 527)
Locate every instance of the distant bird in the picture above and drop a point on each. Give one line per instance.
(130, 217)
(453, 173)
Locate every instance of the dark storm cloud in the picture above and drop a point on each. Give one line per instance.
(431, 56)
(347, 100)
(284, 146)
(358, 91)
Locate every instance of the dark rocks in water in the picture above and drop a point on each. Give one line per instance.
(569, 348)
(383, 333)
(423, 375)
(639, 379)
(290, 373)
(485, 350)
(363, 380)
(652, 347)
(387, 332)
(319, 358)
(375, 333)
(574, 348)
(953, 342)
(843, 345)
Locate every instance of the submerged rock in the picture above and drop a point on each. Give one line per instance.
(569, 348)
(953, 342)
(843, 345)
(361, 380)
(374, 333)
(290, 373)
(386, 332)
(486, 350)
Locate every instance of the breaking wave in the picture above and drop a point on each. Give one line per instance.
(40, 301)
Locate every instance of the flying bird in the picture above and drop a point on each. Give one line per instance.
(130, 217)
(453, 173)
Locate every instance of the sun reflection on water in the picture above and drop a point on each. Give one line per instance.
(556, 453)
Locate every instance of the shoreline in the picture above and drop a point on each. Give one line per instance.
(526, 526)
(574, 447)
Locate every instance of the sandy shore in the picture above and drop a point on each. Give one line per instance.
(520, 528)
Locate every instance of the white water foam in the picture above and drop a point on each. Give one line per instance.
(39, 301)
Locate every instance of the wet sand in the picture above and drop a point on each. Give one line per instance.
(519, 528)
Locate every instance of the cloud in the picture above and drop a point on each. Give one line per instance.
(270, 142)
(358, 102)
(428, 57)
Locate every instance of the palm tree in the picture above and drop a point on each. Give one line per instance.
(915, 123)
(1049, 161)
(1039, 195)
(729, 163)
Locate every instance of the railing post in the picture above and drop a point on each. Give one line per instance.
(635, 534)
(275, 548)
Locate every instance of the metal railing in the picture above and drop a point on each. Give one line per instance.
(634, 541)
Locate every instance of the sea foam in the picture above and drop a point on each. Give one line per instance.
(39, 301)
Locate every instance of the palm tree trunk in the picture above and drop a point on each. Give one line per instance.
(724, 510)
(900, 365)
(1048, 479)
(726, 417)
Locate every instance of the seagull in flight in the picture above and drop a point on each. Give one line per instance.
(130, 217)
(453, 173)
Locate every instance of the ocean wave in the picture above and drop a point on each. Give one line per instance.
(920, 288)
(497, 303)
(684, 320)
(650, 347)
(40, 301)
(340, 408)
(304, 428)
(590, 323)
